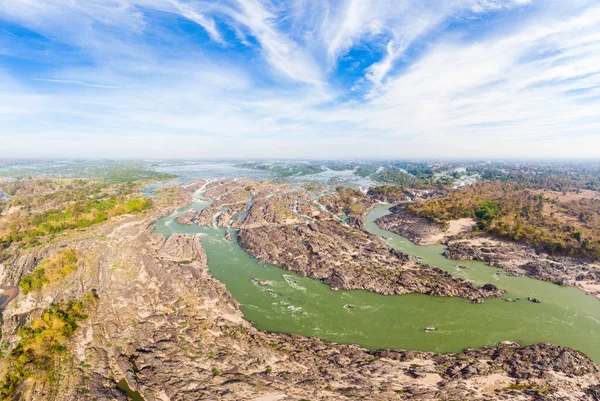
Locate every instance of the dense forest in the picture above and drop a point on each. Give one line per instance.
(551, 176)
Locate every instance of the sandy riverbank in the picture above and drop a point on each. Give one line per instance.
(7, 294)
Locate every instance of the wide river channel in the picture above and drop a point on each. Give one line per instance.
(290, 303)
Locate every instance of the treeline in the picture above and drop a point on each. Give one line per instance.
(112, 171)
(506, 210)
(285, 169)
(389, 193)
(387, 190)
(561, 177)
(401, 177)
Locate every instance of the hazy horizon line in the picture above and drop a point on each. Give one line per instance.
(20, 160)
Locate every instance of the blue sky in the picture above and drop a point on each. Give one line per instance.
(300, 78)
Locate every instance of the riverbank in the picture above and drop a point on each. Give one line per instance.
(522, 260)
(518, 259)
(347, 258)
(419, 230)
(292, 367)
(172, 321)
(7, 294)
(288, 302)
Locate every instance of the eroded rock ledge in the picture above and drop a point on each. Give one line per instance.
(522, 260)
(516, 258)
(302, 231)
(349, 258)
(408, 225)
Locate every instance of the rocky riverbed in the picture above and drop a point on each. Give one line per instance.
(408, 225)
(171, 331)
(301, 231)
(522, 260)
(419, 230)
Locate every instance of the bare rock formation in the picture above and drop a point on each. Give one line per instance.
(406, 224)
(349, 258)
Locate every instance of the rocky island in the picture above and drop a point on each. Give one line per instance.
(302, 232)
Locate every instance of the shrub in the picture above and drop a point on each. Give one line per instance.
(53, 269)
(42, 344)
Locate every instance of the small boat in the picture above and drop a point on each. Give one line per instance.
(534, 300)
(430, 329)
(348, 306)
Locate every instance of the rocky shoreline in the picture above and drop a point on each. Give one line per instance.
(303, 232)
(348, 258)
(515, 258)
(522, 260)
(169, 330)
(408, 225)
(173, 332)
(7, 294)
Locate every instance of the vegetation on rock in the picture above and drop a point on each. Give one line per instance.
(388, 193)
(43, 207)
(558, 225)
(42, 345)
(50, 270)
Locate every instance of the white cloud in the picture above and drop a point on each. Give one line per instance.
(281, 52)
(500, 90)
(75, 82)
(525, 89)
(401, 22)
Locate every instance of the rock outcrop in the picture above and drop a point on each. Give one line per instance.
(406, 224)
(182, 248)
(349, 258)
(169, 330)
(172, 332)
(516, 258)
(521, 260)
(188, 218)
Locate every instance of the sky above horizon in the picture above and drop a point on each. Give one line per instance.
(300, 78)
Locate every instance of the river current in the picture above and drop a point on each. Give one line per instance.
(281, 301)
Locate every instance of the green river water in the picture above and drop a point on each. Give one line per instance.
(290, 303)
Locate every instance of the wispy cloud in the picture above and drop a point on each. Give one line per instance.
(75, 82)
(263, 78)
(281, 52)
